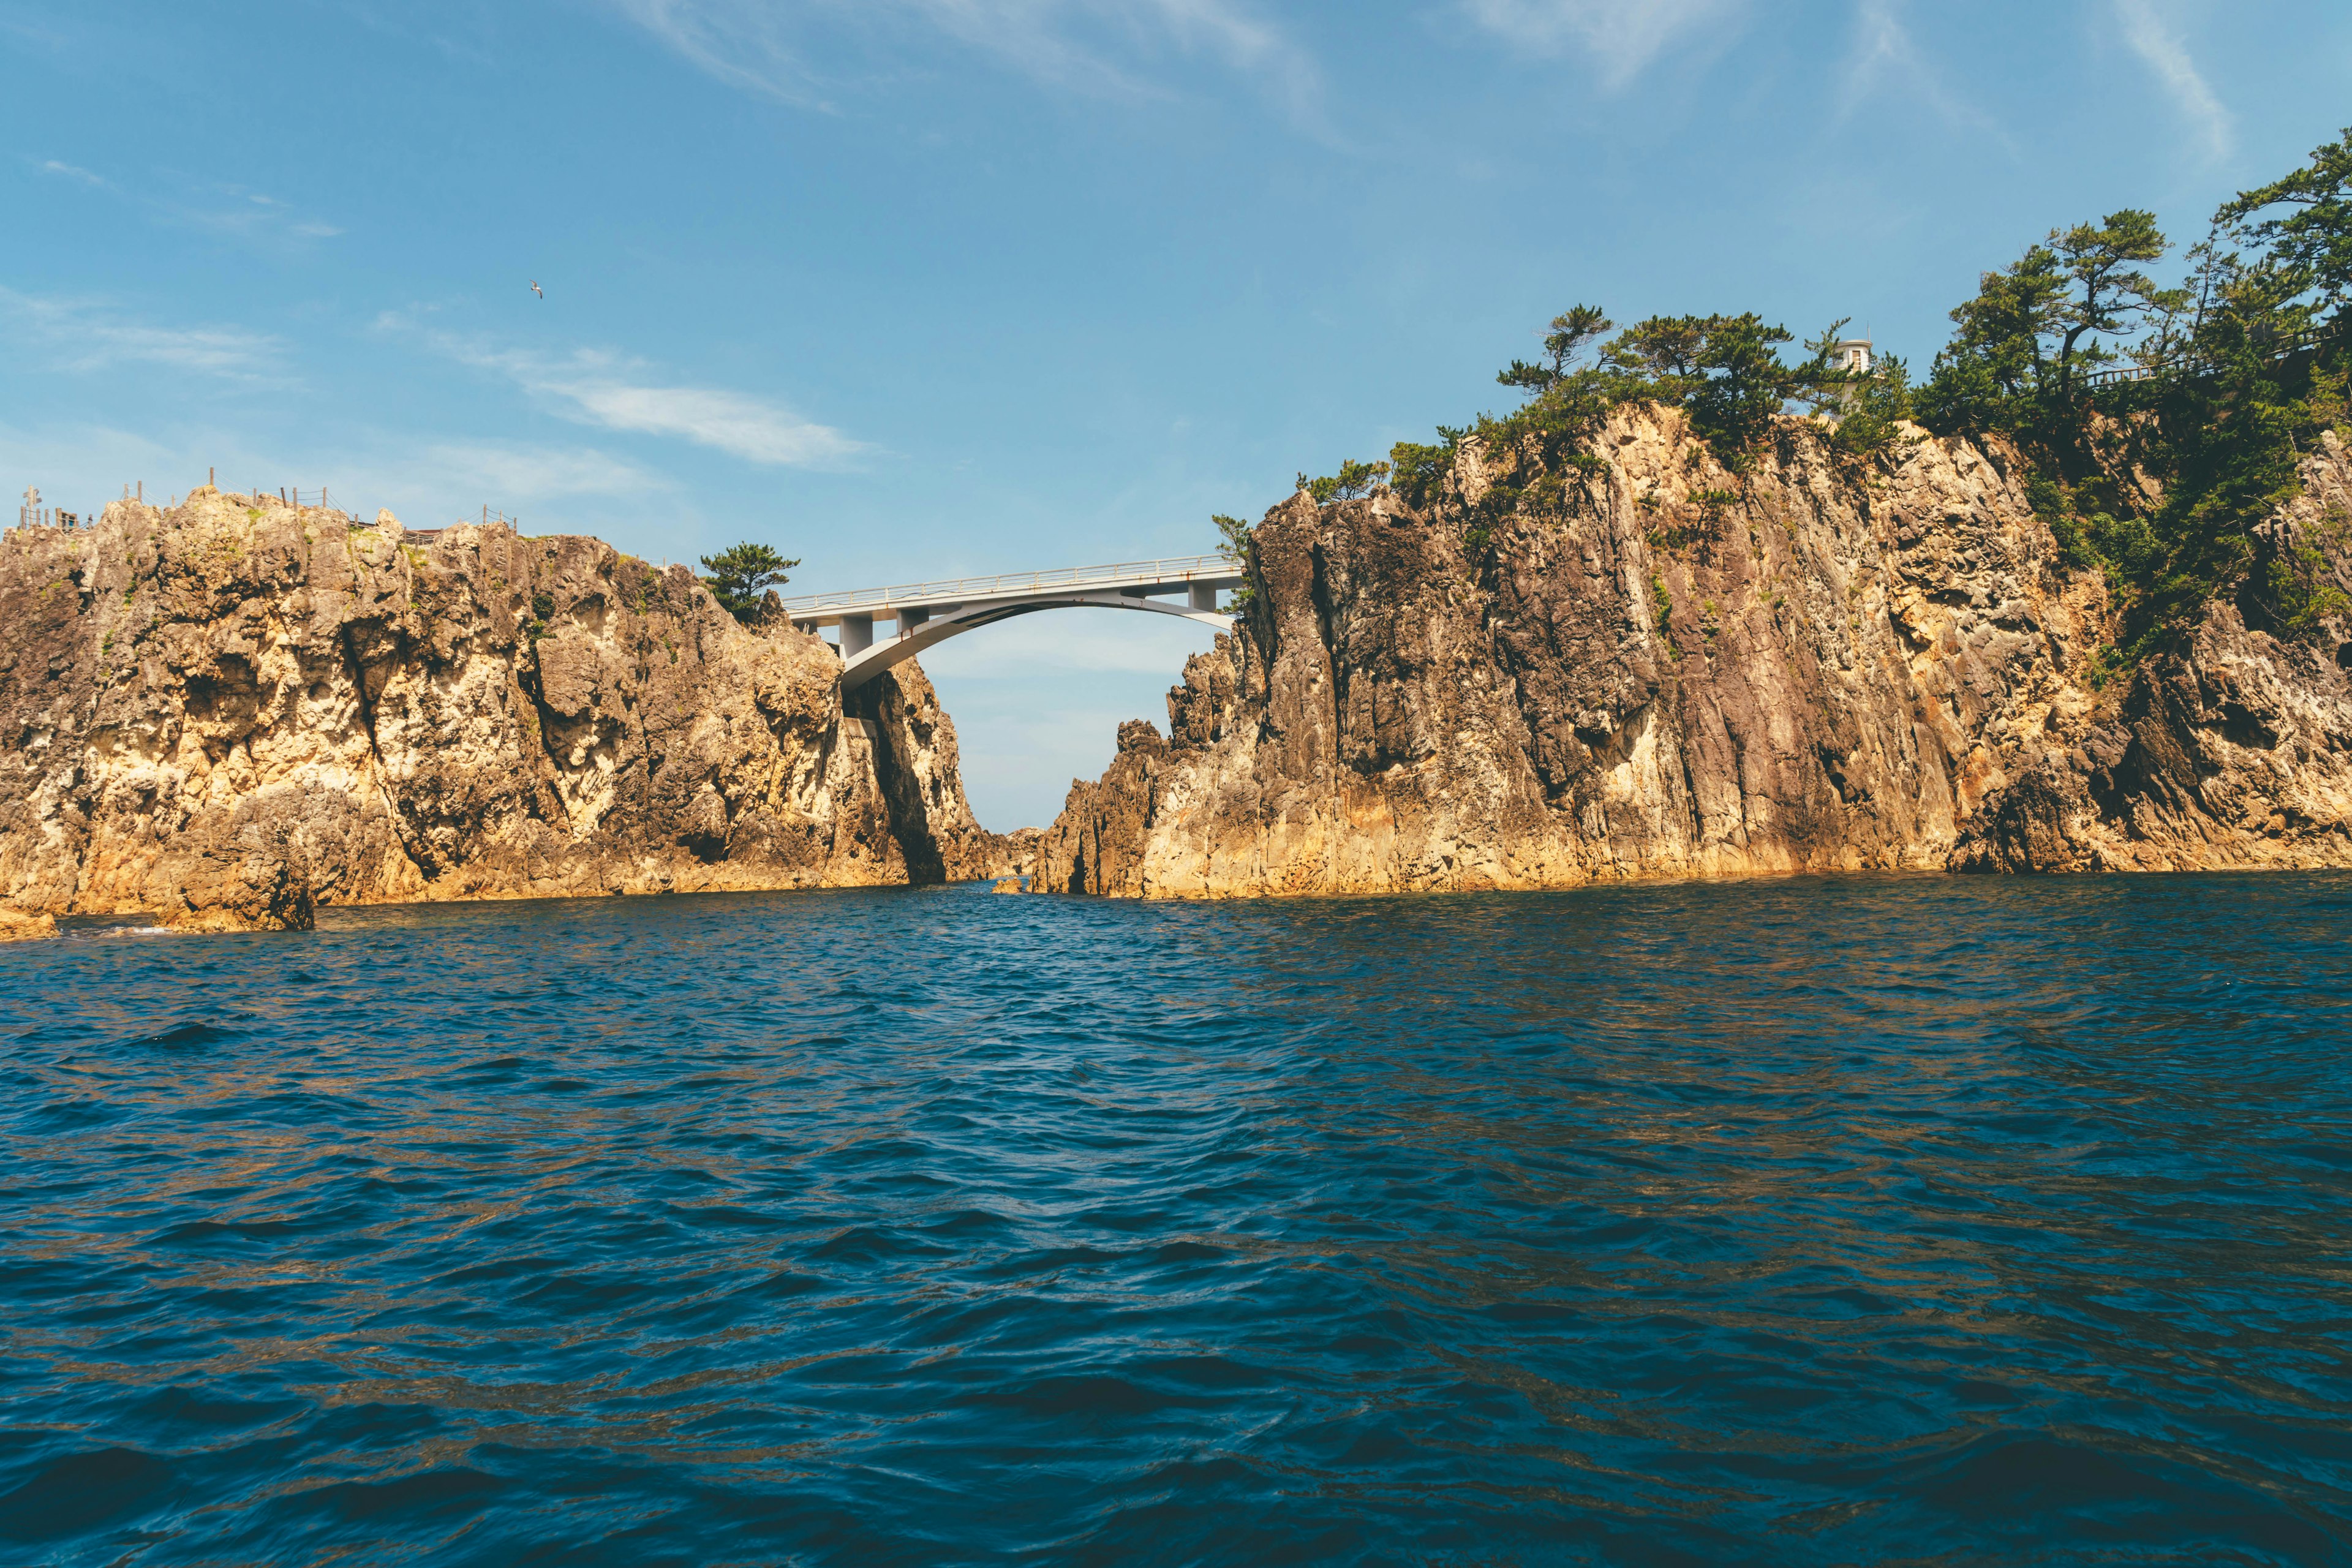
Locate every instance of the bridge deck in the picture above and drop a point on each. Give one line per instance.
(1131, 577)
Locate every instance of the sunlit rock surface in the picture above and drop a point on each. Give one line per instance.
(1842, 665)
(235, 709)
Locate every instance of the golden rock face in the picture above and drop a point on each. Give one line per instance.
(236, 709)
(1882, 664)
(16, 927)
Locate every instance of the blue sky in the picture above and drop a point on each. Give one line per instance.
(920, 287)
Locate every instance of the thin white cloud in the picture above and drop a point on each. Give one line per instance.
(2162, 50)
(1621, 37)
(248, 217)
(745, 426)
(85, 334)
(1102, 47)
(1887, 59)
(742, 45)
(80, 467)
(503, 474)
(596, 388)
(74, 172)
(1883, 50)
(426, 483)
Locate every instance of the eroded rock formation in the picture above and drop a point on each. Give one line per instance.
(230, 712)
(15, 927)
(1675, 671)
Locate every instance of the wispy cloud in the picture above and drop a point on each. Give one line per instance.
(1621, 37)
(1883, 50)
(599, 388)
(236, 213)
(498, 471)
(745, 426)
(1886, 58)
(86, 334)
(1103, 47)
(2165, 54)
(424, 482)
(81, 467)
(74, 172)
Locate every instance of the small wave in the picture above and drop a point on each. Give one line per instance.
(1736, 1222)
(182, 1037)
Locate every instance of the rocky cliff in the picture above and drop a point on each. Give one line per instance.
(1664, 669)
(231, 711)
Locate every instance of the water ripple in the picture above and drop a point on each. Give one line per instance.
(1902, 1219)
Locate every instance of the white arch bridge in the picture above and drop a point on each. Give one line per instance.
(929, 613)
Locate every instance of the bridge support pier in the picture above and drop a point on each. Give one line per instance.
(1201, 596)
(857, 636)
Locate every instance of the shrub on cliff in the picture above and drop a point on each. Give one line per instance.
(1236, 543)
(1725, 371)
(2106, 379)
(2036, 328)
(2230, 375)
(1353, 480)
(741, 574)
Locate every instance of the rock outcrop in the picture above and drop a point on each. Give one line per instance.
(15, 927)
(233, 710)
(1671, 670)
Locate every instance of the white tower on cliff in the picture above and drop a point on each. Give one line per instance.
(1851, 354)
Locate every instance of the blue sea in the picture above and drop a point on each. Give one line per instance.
(1871, 1220)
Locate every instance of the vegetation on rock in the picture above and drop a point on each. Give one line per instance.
(1233, 543)
(2160, 473)
(741, 574)
(2164, 423)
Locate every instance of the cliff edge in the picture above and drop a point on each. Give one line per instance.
(231, 711)
(1667, 670)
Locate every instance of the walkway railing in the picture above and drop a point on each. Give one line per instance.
(2286, 350)
(951, 590)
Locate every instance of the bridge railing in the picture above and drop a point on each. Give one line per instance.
(1173, 570)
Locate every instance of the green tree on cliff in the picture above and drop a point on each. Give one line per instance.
(2164, 480)
(2311, 243)
(2041, 325)
(1726, 372)
(1353, 480)
(1237, 542)
(740, 574)
(1234, 538)
(1573, 331)
(2241, 370)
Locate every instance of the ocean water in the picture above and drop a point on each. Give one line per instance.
(1913, 1220)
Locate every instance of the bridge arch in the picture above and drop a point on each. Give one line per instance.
(927, 614)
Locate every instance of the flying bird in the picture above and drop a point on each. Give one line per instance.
(537, 290)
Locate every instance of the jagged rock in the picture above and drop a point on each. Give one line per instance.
(236, 709)
(929, 815)
(246, 873)
(16, 927)
(1845, 665)
(1016, 852)
(2032, 826)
